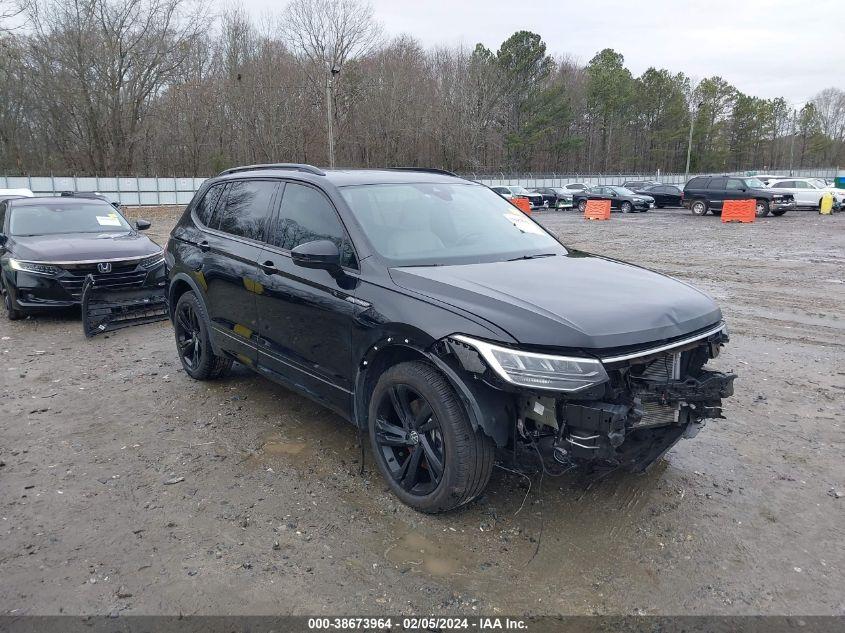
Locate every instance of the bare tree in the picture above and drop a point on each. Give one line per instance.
(98, 65)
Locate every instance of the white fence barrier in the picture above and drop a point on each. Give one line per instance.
(164, 191)
(129, 191)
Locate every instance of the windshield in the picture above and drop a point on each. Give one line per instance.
(440, 224)
(622, 191)
(73, 216)
(522, 191)
(818, 183)
(754, 183)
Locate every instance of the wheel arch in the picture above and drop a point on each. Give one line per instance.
(486, 408)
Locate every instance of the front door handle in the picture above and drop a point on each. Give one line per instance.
(268, 268)
(204, 246)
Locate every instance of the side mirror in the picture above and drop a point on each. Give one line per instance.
(142, 225)
(317, 254)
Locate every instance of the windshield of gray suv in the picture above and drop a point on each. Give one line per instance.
(442, 224)
(73, 216)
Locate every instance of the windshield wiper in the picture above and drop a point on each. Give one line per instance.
(532, 256)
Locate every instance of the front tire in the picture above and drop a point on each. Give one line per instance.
(13, 313)
(762, 209)
(193, 344)
(626, 207)
(423, 442)
(698, 207)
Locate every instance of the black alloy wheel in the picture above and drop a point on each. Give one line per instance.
(424, 445)
(188, 336)
(410, 439)
(192, 341)
(626, 207)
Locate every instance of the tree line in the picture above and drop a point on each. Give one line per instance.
(148, 87)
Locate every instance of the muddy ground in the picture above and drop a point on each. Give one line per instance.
(270, 515)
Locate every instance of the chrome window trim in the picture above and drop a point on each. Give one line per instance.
(664, 348)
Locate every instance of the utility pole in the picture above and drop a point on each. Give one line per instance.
(331, 71)
(792, 140)
(692, 116)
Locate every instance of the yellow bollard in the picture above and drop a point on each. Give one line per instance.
(826, 206)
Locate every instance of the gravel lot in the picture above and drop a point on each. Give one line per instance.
(269, 514)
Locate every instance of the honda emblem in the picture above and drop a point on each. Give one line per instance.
(104, 267)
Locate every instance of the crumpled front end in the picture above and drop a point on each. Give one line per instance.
(649, 400)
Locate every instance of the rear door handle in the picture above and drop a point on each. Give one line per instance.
(204, 246)
(268, 268)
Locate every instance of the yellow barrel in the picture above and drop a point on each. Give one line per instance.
(826, 206)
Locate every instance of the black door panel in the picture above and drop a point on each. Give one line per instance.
(304, 328)
(306, 315)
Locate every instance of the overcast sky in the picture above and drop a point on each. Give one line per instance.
(766, 48)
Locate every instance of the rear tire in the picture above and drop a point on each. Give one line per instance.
(193, 344)
(698, 207)
(437, 433)
(762, 208)
(582, 206)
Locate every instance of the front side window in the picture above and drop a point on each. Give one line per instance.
(735, 184)
(754, 183)
(68, 216)
(422, 224)
(307, 215)
(247, 209)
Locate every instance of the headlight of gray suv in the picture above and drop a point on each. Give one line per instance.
(539, 371)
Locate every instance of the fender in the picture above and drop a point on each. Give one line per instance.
(491, 410)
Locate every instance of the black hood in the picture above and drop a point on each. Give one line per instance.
(573, 301)
(75, 247)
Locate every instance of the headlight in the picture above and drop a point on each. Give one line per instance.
(32, 267)
(541, 371)
(153, 260)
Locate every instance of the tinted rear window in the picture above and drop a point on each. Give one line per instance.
(205, 207)
(247, 208)
(697, 183)
(717, 183)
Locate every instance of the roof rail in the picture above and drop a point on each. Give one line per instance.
(430, 170)
(310, 169)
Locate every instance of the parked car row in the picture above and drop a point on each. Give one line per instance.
(773, 195)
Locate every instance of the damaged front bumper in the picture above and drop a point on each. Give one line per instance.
(643, 402)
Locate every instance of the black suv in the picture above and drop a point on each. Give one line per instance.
(708, 193)
(439, 320)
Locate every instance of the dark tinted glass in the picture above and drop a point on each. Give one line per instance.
(717, 183)
(735, 183)
(307, 215)
(247, 209)
(205, 207)
(697, 183)
(2, 215)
